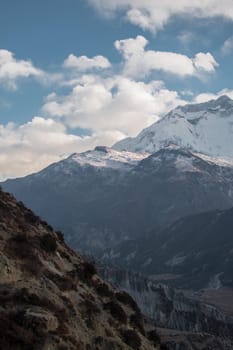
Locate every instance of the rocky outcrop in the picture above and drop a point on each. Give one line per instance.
(52, 298)
(192, 323)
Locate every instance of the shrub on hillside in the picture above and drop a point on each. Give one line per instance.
(48, 243)
(131, 338)
(116, 311)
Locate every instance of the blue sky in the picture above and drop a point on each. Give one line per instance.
(75, 73)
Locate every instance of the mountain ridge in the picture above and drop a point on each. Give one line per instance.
(206, 128)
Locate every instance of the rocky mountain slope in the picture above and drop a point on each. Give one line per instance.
(196, 251)
(98, 200)
(51, 298)
(206, 128)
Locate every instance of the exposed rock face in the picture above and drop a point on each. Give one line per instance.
(51, 298)
(185, 323)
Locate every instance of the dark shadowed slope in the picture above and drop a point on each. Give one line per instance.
(197, 249)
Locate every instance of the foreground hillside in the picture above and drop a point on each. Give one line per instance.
(51, 298)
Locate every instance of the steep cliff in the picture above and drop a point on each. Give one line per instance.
(185, 322)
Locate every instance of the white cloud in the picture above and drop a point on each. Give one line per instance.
(153, 15)
(204, 97)
(140, 62)
(130, 47)
(112, 104)
(204, 62)
(12, 69)
(227, 47)
(32, 146)
(84, 63)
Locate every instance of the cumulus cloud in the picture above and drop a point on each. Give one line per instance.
(204, 97)
(31, 146)
(227, 47)
(112, 104)
(84, 63)
(205, 62)
(12, 69)
(140, 62)
(153, 15)
(132, 46)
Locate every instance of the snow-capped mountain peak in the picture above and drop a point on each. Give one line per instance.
(223, 106)
(105, 157)
(101, 159)
(205, 128)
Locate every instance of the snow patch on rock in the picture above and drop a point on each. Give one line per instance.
(104, 157)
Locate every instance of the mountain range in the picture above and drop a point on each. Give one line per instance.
(155, 211)
(99, 206)
(116, 203)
